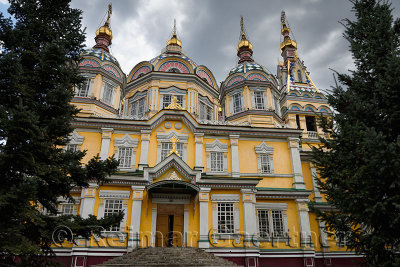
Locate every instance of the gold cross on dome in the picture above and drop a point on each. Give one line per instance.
(174, 140)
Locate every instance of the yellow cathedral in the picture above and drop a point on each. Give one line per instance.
(222, 168)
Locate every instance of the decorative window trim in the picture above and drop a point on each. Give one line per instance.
(64, 201)
(75, 139)
(172, 91)
(128, 142)
(165, 137)
(263, 148)
(217, 146)
(273, 207)
(119, 195)
(135, 100)
(225, 198)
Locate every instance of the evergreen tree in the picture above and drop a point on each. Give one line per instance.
(359, 167)
(38, 71)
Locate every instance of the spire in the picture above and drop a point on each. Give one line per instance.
(245, 48)
(104, 34)
(174, 45)
(287, 42)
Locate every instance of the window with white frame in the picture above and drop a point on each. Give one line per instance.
(264, 154)
(125, 157)
(83, 89)
(271, 223)
(67, 209)
(112, 206)
(125, 150)
(217, 161)
(166, 148)
(72, 147)
(167, 99)
(205, 111)
(226, 223)
(138, 107)
(259, 100)
(108, 91)
(265, 162)
(237, 102)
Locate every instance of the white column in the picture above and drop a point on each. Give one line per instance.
(153, 224)
(88, 196)
(317, 193)
(204, 198)
(235, 155)
(185, 225)
(134, 229)
(106, 134)
(198, 151)
(304, 220)
(144, 149)
(249, 216)
(298, 182)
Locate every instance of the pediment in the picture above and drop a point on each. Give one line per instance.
(172, 168)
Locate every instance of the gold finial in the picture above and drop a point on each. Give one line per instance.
(174, 140)
(286, 33)
(243, 42)
(174, 104)
(174, 39)
(108, 15)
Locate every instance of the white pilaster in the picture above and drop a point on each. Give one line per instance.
(185, 225)
(317, 193)
(204, 198)
(144, 150)
(106, 134)
(235, 155)
(304, 220)
(153, 224)
(88, 196)
(134, 229)
(198, 151)
(298, 182)
(249, 215)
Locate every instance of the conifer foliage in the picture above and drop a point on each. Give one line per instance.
(359, 167)
(38, 71)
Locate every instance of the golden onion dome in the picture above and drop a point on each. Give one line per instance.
(174, 40)
(104, 30)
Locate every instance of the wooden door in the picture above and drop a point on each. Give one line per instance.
(169, 225)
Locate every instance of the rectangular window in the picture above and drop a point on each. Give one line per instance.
(72, 148)
(217, 161)
(134, 108)
(67, 209)
(108, 93)
(166, 148)
(263, 223)
(225, 218)
(237, 103)
(205, 112)
(265, 163)
(125, 157)
(141, 107)
(310, 124)
(112, 206)
(168, 98)
(83, 88)
(258, 100)
(270, 223)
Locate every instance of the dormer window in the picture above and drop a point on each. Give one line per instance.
(299, 76)
(259, 100)
(237, 102)
(167, 100)
(205, 111)
(84, 88)
(108, 91)
(138, 107)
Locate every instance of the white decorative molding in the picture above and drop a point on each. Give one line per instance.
(225, 198)
(114, 194)
(126, 141)
(216, 146)
(76, 139)
(160, 198)
(278, 206)
(263, 148)
(164, 137)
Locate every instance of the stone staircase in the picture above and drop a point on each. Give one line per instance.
(167, 256)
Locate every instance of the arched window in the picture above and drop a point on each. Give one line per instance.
(299, 76)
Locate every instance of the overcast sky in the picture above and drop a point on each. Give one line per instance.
(210, 31)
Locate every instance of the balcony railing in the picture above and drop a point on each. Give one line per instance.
(312, 135)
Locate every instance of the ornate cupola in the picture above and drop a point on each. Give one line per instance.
(244, 48)
(104, 34)
(288, 46)
(174, 45)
